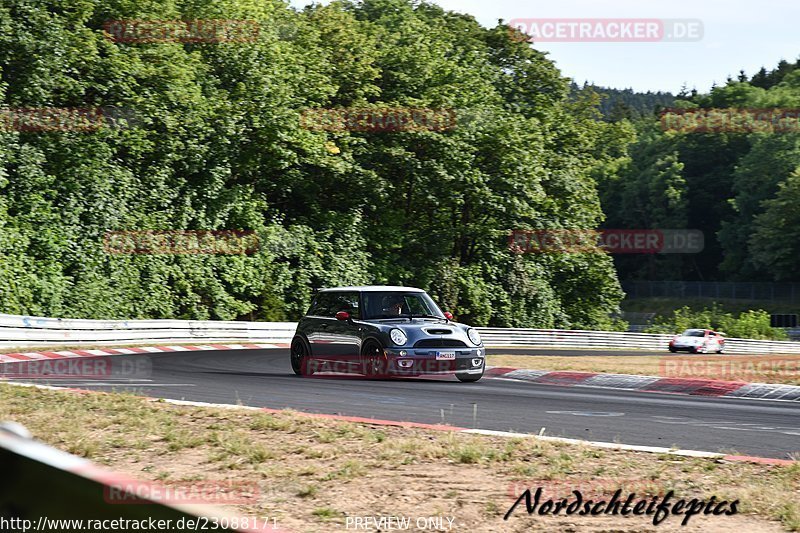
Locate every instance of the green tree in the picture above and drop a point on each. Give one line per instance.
(218, 144)
(775, 243)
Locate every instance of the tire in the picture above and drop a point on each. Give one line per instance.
(299, 356)
(373, 360)
(672, 350)
(469, 378)
(721, 350)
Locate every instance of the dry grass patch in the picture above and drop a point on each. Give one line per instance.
(315, 472)
(771, 369)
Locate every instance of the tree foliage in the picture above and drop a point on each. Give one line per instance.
(218, 144)
(751, 324)
(737, 187)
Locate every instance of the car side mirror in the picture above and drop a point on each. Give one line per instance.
(342, 315)
(448, 315)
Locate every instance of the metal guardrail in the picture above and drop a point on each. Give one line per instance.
(619, 339)
(788, 292)
(25, 331)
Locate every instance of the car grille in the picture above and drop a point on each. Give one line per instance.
(439, 343)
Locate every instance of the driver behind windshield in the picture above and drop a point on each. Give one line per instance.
(393, 305)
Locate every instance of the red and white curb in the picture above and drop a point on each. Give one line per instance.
(454, 429)
(71, 354)
(690, 387)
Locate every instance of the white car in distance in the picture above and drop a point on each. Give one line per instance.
(698, 341)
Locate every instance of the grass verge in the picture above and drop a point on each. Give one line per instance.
(780, 369)
(314, 472)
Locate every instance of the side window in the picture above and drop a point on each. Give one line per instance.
(347, 301)
(314, 308)
(322, 304)
(371, 303)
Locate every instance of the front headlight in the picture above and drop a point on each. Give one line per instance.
(474, 336)
(398, 337)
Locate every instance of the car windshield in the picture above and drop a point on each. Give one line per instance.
(395, 304)
(694, 333)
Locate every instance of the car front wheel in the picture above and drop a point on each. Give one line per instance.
(373, 360)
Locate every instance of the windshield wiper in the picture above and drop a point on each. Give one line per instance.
(412, 316)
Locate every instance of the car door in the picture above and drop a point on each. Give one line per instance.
(713, 341)
(320, 319)
(346, 334)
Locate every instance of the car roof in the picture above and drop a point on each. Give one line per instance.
(373, 288)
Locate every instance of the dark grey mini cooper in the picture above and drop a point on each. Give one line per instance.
(381, 331)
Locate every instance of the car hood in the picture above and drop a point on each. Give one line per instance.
(418, 330)
(421, 324)
(689, 340)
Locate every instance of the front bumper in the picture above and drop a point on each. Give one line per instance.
(687, 347)
(417, 361)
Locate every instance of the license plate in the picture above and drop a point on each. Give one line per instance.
(445, 356)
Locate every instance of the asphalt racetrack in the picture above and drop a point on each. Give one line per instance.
(263, 378)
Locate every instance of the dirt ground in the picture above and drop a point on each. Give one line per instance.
(322, 475)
